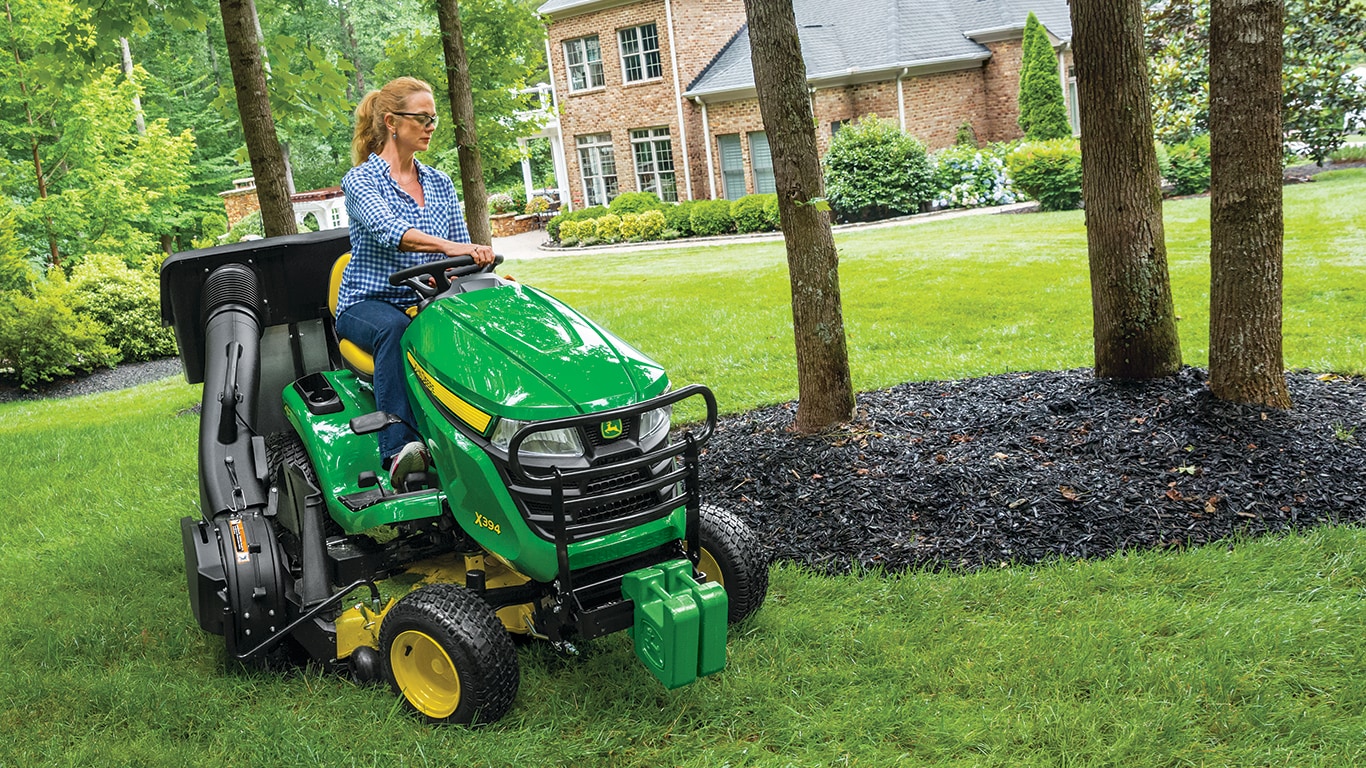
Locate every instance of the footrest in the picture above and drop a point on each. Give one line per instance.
(680, 625)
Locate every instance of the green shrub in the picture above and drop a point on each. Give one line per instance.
(635, 202)
(569, 231)
(1189, 162)
(875, 170)
(552, 227)
(647, 225)
(608, 228)
(966, 177)
(1164, 162)
(966, 137)
(711, 217)
(751, 213)
(1048, 171)
(42, 338)
(126, 302)
(249, 225)
(1349, 153)
(678, 217)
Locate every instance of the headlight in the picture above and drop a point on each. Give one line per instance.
(552, 442)
(654, 422)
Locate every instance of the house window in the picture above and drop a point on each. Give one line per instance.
(836, 125)
(653, 151)
(335, 215)
(732, 166)
(762, 163)
(598, 169)
(583, 59)
(640, 53)
(1072, 113)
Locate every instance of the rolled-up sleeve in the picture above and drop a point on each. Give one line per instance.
(365, 205)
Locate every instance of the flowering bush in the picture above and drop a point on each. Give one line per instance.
(967, 177)
(501, 202)
(537, 204)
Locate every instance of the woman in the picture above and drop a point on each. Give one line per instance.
(403, 213)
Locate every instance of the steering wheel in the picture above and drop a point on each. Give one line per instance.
(433, 278)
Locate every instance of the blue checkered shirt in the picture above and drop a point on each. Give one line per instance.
(380, 213)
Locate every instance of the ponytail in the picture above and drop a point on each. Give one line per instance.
(371, 133)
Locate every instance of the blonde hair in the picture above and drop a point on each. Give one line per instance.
(371, 134)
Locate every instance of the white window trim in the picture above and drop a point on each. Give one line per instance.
(653, 140)
(588, 198)
(644, 67)
(586, 65)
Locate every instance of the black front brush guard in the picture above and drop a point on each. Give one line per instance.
(570, 491)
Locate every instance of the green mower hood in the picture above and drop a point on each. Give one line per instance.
(515, 352)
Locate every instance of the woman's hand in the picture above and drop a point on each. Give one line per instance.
(483, 254)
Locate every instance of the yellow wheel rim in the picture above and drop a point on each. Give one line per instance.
(425, 674)
(708, 565)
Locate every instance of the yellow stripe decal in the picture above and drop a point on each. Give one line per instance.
(463, 410)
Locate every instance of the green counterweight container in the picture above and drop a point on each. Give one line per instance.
(680, 625)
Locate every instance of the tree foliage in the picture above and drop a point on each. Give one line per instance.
(1043, 115)
(1322, 41)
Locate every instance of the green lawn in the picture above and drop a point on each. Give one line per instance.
(1246, 654)
(963, 297)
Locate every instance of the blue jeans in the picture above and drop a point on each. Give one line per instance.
(377, 326)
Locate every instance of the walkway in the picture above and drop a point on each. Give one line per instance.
(529, 244)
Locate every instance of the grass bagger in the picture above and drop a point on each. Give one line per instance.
(560, 504)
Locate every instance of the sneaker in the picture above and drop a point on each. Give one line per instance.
(409, 459)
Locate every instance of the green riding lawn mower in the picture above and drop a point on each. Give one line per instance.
(559, 504)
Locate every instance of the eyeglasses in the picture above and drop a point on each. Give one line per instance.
(422, 117)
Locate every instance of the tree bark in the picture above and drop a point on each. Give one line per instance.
(138, 118)
(823, 382)
(258, 125)
(1135, 333)
(1246, 234)
(462, 114)
(352, 48)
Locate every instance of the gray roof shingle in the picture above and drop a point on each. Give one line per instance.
(876, 35)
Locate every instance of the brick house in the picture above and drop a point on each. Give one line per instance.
(659, 95)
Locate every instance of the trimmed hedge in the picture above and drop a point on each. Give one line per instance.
(1048, 171)
(552, 227)
(755, 213)
(679, 218)
(711, 217)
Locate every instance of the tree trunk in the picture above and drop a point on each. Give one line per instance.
(1245, 202)
(258, 125)
(823, 383)
(138, 118)
(1131, 298)
(353, 49)
(462, 114)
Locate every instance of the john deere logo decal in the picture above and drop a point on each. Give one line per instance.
(611, 430)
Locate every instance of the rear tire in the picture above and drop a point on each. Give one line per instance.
(445, 652)
(733, 556)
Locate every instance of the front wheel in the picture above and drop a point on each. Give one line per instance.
(445, 652)
(733, 557)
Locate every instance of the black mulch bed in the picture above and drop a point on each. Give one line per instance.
(1023, 468)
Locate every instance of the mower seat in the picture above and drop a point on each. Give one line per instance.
(356, 359)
